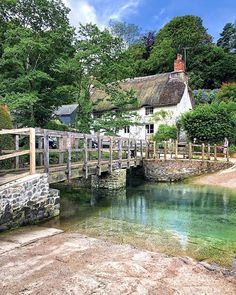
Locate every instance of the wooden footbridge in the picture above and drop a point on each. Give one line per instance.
(67, 155)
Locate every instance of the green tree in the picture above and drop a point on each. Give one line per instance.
(102, 55)
(211, 67)
(165, 132)
(130, 33)
(227, 38)
(210, 123)
(6, 141)
(38, 35)
(121, 114)
(180, 32)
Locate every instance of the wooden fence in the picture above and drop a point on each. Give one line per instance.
(177, 150)
(41, 149)
(50, 148)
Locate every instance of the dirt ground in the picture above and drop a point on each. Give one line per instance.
(69, 263)
(225, 178)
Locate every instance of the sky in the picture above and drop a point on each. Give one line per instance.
(151, 15)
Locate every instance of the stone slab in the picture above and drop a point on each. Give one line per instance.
(12, 240)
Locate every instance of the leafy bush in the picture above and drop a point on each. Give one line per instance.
(211, 123)
(56, 125)
(232, 149)
(165, 132)
(227, 92)
(6, 141)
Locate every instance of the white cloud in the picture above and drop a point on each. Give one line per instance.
(125, 8)
(158, 16)
(100, 11)
(81, 12)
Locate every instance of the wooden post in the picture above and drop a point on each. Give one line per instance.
(215, 152)
(120, 152)
(46, 151)
(111, 154)
(128, 162)
(147, 150)
(32, 152)
(141, 149)
(165, 150)
(17, 139)
(86, 156)
(135, 153)
(176, 149)
(40, 154)
(154, 150)
(208, 152)
(203, 151)
(99, 154)
(190, 151)
(68, 141)
(227, 154)
(90, 143)
(61, 148)
(77, 149)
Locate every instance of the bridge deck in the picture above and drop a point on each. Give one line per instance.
(81, 155)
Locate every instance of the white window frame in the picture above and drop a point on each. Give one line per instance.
(149, 129)
(149, 110)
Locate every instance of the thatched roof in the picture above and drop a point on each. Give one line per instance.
(157, 91)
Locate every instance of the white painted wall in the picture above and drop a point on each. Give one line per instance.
(139, 132)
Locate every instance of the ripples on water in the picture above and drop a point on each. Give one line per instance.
(174, 219)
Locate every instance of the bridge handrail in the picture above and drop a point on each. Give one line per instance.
(72, 142)
(111, 149)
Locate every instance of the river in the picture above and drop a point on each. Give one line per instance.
(176, 219)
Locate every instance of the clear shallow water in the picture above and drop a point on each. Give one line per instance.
(185, 220)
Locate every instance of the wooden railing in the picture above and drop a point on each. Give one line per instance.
(51, 148)
(17, 153)
(176, 150)
(41, 149)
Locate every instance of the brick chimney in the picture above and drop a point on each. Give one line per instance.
(179, 65)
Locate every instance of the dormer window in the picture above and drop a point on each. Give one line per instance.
(148, 111)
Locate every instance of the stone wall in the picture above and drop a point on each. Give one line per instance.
(113, 181)
(27, 201)
(176, 170)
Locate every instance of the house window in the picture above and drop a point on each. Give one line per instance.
(150, 128)
(148, 110)
(126, 129)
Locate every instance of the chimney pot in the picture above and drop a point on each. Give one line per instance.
(179, 65)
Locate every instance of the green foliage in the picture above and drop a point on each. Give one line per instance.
(180, 32)
(123, 101)
(38, 35)
(232, 149)
(6, 141)
(130, 33)
(210, 67)
(211, 123)
(165, 132)
(227, 92)
(102, 55)
(56, 125)
(162, 115)
(227, 38)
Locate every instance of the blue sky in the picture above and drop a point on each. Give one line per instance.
(153, 14)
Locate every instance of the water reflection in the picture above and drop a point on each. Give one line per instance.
(175, 219)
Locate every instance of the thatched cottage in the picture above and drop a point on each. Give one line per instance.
(167, 92)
